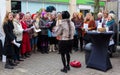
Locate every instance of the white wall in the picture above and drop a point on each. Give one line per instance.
(2, 14)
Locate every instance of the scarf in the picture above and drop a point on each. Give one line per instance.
(109, 23)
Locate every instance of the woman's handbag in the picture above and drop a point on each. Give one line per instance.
(75, 63)
(49, 33)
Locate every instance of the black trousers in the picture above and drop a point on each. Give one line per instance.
(43, 43)
(76, 41)
(17, 51)
(75, 45)
(1, 49)
(65, 46)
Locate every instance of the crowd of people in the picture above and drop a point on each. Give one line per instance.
(48, 32)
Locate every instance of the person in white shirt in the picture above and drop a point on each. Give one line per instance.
(18, 31)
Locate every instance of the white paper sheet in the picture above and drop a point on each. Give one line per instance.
(37, 30)
(99, 25)
(85, 26)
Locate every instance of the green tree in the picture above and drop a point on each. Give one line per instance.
(96, 8)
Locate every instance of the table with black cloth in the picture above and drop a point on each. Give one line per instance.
(99, 58)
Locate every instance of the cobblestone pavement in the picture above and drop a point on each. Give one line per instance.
(50, 64)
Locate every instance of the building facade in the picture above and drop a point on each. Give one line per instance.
(34, 5)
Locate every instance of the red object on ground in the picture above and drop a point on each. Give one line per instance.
(75, 63)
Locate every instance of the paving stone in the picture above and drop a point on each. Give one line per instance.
(50, 64)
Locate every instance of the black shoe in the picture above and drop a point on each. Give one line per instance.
(110, 55)
(81, 49)
(8, 66)
(64, 70)
(13, 64)
(27, 56)
(43, 52)
(17, 62)
(68, 68)
(20, 60)
(23, 57)
(46, 52)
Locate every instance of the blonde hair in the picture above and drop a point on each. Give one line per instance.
(88, 15)
(59, 19)
(6, 17)
(59, 16)
(112, 15)
(75, 14)
(100, 14)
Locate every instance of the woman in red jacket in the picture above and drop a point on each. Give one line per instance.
(26, 48)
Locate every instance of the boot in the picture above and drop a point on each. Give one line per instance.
(35, 48)
(23, 56)
(26, 55)
(68, 67)
(17, 62)
(64, 70)
(53, 48)
(46, 50)
(8, 66)
(11, 62)
(50, 48)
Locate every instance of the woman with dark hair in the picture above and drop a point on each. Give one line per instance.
(43, 35)
(66, 30)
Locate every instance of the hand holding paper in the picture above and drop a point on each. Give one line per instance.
(32, 27)
(28, 29)
(37, 30)
(85, 27)
(15, 43)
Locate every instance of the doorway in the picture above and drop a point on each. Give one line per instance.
(84, 12)
(16, 6)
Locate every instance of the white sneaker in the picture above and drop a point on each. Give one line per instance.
(53, 48)
(50, 48)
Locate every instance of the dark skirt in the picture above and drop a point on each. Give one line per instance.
(52, 40)
(65, 46)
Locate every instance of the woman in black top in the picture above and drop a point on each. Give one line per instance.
(9, 40)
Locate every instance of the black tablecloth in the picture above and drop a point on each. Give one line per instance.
(99, 58)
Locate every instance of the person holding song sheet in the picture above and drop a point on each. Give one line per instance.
(88, 25)
(9, 40)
